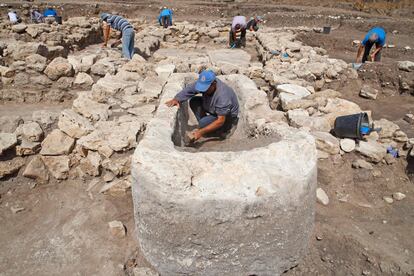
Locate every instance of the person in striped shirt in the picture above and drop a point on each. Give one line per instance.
(127, 32)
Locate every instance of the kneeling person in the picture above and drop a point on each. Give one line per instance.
(216, 109)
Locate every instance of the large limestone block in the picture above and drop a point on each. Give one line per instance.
(110, 86)
(223, 213)
(234, 57)
(91, 109)
(57, 143)
(74, 124)
(290, 92)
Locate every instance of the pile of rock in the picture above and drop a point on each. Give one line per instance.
(95, 137)
(75, 33)
(287, 60)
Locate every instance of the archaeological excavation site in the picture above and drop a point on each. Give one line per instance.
(240, 138)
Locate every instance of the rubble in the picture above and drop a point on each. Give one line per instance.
(117, 229)
(10, 167)
(30, 131)
(74, 124)
(322, 197)
(27, 147)
(58, 166)
(7, 140)
(91, 164)
(361, 164)
(407, 66)
(326, 142)
(57, 143)
(374, 151)
(409, 118)
(347, 145)
(116, 187)
(36, 169)
(93, 110)
(398, 196)
(368, 92)
(388, 199)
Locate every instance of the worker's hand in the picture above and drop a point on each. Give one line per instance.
(197, 134)
(172, 103)
(373, 57)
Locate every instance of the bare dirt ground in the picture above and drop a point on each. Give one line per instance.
(63, 229)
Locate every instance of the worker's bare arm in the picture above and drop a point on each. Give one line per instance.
(374, 54)
(173, 102)
(106, 31)
(361, 50)
(210, 128)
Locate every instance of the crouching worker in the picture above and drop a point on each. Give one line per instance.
(375, 36)
(127, 32)
(253, 24)
(238, 25)
(165, 17)
(216, 109)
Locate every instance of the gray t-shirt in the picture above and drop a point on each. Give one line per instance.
(223, 102)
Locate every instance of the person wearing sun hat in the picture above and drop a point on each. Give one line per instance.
(216, 109)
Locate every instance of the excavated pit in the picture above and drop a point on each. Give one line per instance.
(240, 138)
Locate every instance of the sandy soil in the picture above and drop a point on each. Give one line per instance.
(63, 229)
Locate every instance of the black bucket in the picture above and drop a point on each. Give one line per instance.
(326, 30)
(58, 19)
(349, 126)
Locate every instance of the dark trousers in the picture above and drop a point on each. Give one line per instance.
(166, 21)
(204, 119)
(368, 47)
(240, 42)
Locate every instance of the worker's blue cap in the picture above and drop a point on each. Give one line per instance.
(104, 16)
(205, 79)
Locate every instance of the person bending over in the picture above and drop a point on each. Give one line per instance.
(165, 17)
(127, 32)
(375, 36)
(238, 25)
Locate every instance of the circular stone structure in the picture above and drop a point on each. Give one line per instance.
(245, 212)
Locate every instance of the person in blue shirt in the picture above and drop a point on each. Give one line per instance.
(49, 12)
(165, 17)
(375, 36)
